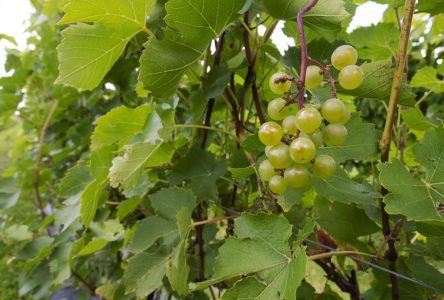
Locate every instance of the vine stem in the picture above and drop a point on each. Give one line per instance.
(304, 51)
(38, 159)
(391, 254)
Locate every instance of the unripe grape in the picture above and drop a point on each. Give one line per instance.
(289, 125)
(302, 150)
(279, 88)
(277, 109)
(277, 184)
(297, 177)
(351, 77)
(308, 120)
(270, 133)
(334, 134)
(315, 137)
(324, 166)
(279, 156)
(267, 150)
(266, 170)
(343, 56)
(313, 77)
(334, 110)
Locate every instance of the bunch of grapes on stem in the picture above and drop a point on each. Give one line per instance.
(291, 145)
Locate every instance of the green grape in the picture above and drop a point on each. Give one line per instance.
(277, 184)
(315, 137)
(308, 120)
(346, 118)
(270, 133)
(302, 150)
(313, 77)
(267, 150)
(343, 56)
(266, 170)
(279, 156)
(289, 125)
(277, 109)
(324, 166)
(351, 77)
(297, 177)
(279, 88)
(334, 134)
(334, 110)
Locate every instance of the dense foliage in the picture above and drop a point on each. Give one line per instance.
(130, 155)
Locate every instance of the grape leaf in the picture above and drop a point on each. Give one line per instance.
(164, 61)
(90, 200)
(325, 18)
(88, 51)
(341, 188)
(433, 7)
(415, 120)
(126, 170)
(417, 198)
(376, 42)
(335, 217)
(119, 125)
(426, 273)
(361, 144)
(101, 161)
(427, 77)
(261, 246)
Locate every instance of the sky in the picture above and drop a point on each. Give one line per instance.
(15, 13)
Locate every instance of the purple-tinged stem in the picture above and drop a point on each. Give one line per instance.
(304, 52)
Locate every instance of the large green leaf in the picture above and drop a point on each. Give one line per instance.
(427, 77)
(325, 18)
(164, 61)
(126, 170)
(376, 42)
(261, 247)
(426, 273)
(361, 144)
(88, 51)
(119, 125)
(415, 197)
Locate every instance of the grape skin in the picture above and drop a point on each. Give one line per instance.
(308, 120)
(302, 150)
(279, 156)
(351, 77)
(324, 166)
(270, 133)
(277, 109)
(334, 134)
(334, 110)
(266, 170)
(298, 177)
(289, 124)
(343, 56)
(277, 184)
(313, 77)
(279, 88)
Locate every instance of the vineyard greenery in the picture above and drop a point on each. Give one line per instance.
(167, 149)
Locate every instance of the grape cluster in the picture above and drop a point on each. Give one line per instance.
(291, 146)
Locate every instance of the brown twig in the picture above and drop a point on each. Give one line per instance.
(214, 220)
(38, 159)
(391, 254)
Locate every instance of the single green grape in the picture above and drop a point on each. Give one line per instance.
(315, 137)
(343, 56)
(302, 150)
(334, 134)
(266, 170)
(308, 120)
(297, 177)
(279, 156)
(334, 110)
(279, 88)
(324, 166)
(277, 184)
(351, 77)
(277, 109)
(270, 133)
(313, 77)
(289, 125)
